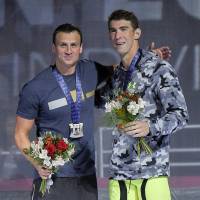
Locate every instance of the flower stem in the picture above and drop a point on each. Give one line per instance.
(142, 144)
(43, 187)
(138, 148)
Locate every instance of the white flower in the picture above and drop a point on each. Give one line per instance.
(43, 154)
(112, 105)
(40, 141)
(58, 162)
(116, 104)
(34, 145)
(36, 149)
(71, 152)
(108, 107)
(141, 103)
(133, 108)
(66, 140)
(47, 162)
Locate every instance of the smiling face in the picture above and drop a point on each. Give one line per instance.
(67, 49)
(124, 38)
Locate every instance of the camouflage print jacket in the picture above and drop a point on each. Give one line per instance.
(166, 111)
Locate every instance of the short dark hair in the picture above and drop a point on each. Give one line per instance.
(126, 15)
(66, 28)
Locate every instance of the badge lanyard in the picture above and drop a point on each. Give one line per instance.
(75, 106)
(131, 69)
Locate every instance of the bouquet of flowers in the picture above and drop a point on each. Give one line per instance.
(51, 151)
(124, 107)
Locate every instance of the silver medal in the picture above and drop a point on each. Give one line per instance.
(76, 130)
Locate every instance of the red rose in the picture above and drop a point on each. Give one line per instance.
(50, 149)
(61, 145)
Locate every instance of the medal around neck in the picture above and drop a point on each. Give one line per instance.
(76, 130)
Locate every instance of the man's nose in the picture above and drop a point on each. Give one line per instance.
(117, 34)
(68, 50)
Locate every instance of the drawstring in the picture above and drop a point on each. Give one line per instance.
(129, 185)
(143, 186)
(33, 192)
(123, 191)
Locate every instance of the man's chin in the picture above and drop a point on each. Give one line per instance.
(120, 51)
(68, 63)
(119, 48)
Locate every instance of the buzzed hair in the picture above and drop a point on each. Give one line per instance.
(66, 28)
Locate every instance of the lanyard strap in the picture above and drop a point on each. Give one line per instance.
(131, 69)
(75, 106)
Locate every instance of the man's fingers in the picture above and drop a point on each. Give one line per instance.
(136, 134)
(137, 128)
(166, 52)
(163, 52)
(132, 126)
(43, 172)
(152, 45)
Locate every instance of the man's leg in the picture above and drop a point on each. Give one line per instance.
(141, 189)
(88, 188)
(157, 189)
(78, 188)
(122, 190)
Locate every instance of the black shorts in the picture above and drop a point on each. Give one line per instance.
(72, 188)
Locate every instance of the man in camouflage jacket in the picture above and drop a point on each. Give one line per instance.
(145, 176)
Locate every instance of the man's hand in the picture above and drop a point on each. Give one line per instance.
(137, 128)
(163, 52)
(43, 172)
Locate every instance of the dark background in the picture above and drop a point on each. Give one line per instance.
(26, 28)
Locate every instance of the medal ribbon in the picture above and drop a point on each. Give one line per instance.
(75, 106)
(131, 69)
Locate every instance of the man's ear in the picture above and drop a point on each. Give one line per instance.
(53, 48)
(137, 33)
(81, 48)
